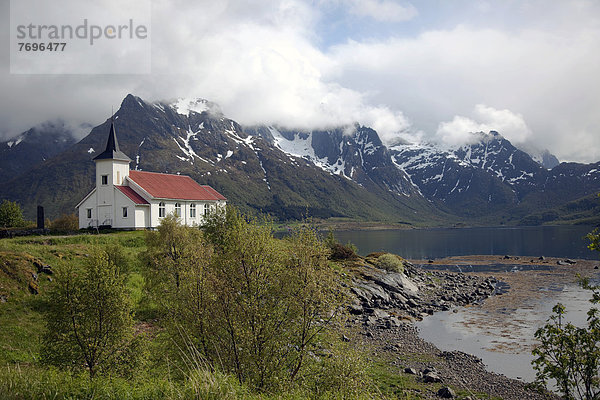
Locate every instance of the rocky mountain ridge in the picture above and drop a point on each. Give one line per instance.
(337, 172)
(194, 138)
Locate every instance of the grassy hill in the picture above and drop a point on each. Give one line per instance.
(22, 376)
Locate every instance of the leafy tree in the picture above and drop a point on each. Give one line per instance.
(316, 292)
(594, 238)
(89, 321)
(253, 306)
(167, 248)
(177, 258)
(570, 354)
(11, 214)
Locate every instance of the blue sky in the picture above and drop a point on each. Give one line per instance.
(428, 70)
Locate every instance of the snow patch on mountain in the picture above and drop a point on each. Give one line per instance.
(301, 146)
(187, 148)
(185, 106)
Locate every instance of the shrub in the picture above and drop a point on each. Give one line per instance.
(341, 252)
(338, 251)
(255, 307)
(390, 262)
(89, 320)
(65, 223)
(11, 215)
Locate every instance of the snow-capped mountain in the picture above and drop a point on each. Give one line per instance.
(341, 172)
(456, 183)
(355, 153)
(19, 154)
(194, 138)
(542, 157)
(491, 175)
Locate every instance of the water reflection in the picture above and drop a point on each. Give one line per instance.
(553, 241)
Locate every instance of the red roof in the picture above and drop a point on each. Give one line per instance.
(168, 186)
(129, 192)
(218, 195)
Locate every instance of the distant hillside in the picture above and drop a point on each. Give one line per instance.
(195, 139)
(33, 147)
(342, 172)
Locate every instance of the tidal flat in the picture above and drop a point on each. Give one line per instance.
(500, 330)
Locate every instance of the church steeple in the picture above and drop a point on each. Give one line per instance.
(112, 151)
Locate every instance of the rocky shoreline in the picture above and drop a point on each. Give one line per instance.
(387, 303)
(384, 297)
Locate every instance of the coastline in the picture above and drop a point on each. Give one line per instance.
(404, 350)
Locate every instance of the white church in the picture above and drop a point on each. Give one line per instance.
(127, 199)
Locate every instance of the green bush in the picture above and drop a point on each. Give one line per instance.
(255, 307)
(11, 215)
(569, 354)
(89, 319)
(390, 262)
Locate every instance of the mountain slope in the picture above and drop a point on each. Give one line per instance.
(194, 138)
(32, 147)
(357, 154)
(341, 172)
(493, 181)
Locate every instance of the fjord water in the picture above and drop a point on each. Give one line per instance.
(550, 241)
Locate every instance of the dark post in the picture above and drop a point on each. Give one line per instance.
(40, 217)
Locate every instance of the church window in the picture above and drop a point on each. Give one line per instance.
(177, 209)
(118, 177)
(206, 209)
(192, 211)
(161, 209)
(124, 212)
(89, 213)
(105, 179)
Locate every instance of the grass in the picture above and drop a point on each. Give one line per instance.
(21, 326)
(21, 320)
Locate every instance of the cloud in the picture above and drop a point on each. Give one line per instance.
(263, 62)
(459, 130)
(382, 10)
(259, 63)
(547, 75)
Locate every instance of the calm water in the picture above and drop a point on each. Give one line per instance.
(505, 348)
(551, 241)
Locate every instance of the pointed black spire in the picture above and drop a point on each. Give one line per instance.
(112, 151)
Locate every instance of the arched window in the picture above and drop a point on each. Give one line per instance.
(206, 209)
(192, 210)
(177, 210)
(161, 210)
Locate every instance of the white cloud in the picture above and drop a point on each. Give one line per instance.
(509, 124)
(382, 10)
(261, 61)
(548, 76)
